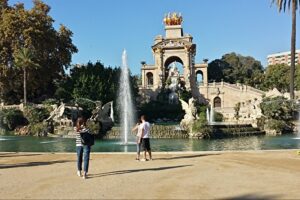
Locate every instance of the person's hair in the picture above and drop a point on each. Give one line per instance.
(80, 121)
(143, 117)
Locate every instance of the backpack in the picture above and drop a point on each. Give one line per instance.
(87, 138)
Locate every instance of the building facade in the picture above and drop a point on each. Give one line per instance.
(283, 58)
(175, 48)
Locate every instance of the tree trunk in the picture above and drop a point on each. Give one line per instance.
(25, 86)
(293, 49)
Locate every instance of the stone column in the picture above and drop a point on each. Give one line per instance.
(158, 64)
(187, 69)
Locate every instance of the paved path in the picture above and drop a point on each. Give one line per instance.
(233, 175)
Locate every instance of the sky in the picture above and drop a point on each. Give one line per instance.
(103, 28)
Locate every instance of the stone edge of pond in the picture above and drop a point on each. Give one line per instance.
(164, 152)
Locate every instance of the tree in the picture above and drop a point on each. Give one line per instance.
(24, 60)
(282, 5)
(3, 4)
(277, 76)
(278, 113)
(234, 68)
(52, 50)
(93, 81)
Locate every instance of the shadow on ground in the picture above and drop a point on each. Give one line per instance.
(136, 170)
(187, 156)
(254, 196)
(17, 154)
(32, 164)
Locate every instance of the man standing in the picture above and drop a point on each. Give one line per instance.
(146, 138)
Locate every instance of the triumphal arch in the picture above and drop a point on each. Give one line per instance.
(177, 48)
(174, 47)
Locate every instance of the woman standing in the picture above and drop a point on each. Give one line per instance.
(82, 150)
(138, 127)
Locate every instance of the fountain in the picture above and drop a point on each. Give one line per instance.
(207, 115)
(298, 128)
(127, 112)
(211, 117)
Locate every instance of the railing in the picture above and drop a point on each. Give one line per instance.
(234, 86)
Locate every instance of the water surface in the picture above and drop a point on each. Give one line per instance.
(46, 144)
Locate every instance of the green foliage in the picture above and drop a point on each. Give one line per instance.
(49, 48)
(163, 96)
(24, 59)
(235, 68)
(63, 94)
(277, 76)
(278, 108)
(35, 115)
(87, 105)
(200, 126)
(277, 125)
(278, 113)
(185, 95)
(49, 102)
(37, 129)
(218, 117)
(94, 127)
(11, 119)
(237, 108)
(159, 110)
(94, 82)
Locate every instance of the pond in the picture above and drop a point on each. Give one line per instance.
(47, 144)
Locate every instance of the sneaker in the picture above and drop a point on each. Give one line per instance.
(79, 173)
(143, 160)
(84, 176)
(137, 159)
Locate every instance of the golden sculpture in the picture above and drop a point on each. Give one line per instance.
(173, 19)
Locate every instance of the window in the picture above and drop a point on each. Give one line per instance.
(149, 76)
(217, 102)
(199, 77)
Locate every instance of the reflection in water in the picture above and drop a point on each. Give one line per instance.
(253, 143)
(44, 144)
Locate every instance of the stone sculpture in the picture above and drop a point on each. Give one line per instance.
(190, 113)
(103, 113)
(57, 113)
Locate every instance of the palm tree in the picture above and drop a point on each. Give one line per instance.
(282, 5)
(24, 60)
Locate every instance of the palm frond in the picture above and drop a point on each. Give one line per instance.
(24, 58)
(285, 4)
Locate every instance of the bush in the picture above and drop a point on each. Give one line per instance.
(63, 94)
(218, 117)
(278, 113)
(157, 109)
(37, 129)
(185, 95)
(201, 128)
(49, 102)
(35, 115)
(277, 125)
(11, 119)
